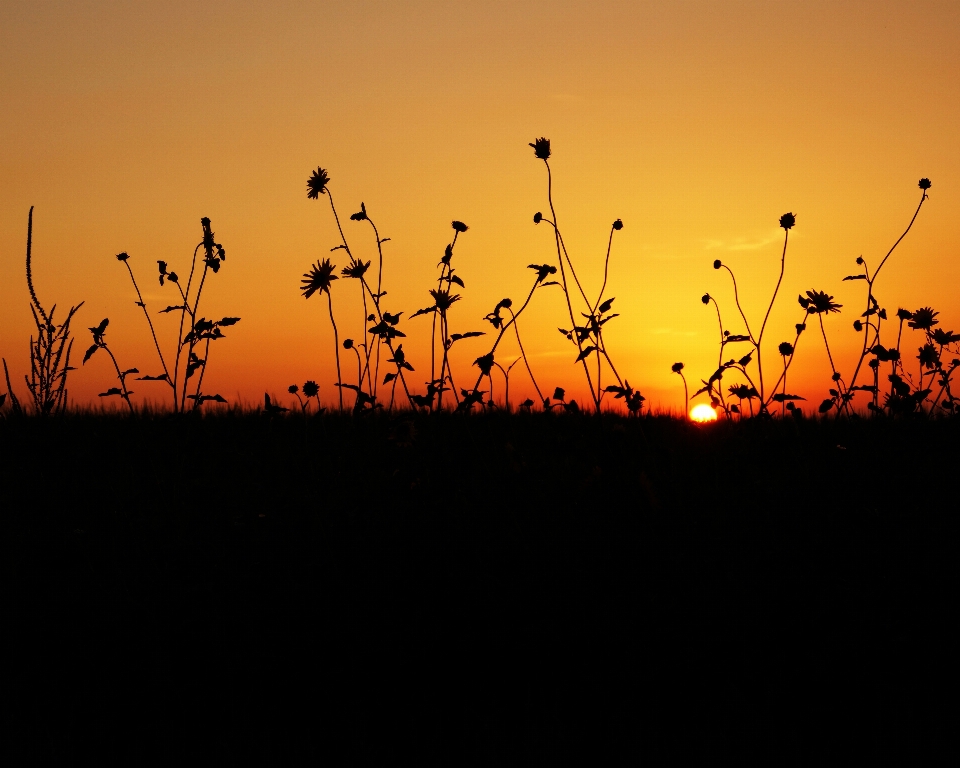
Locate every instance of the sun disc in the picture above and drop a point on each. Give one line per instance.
(703, 413)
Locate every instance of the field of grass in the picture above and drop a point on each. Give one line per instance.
(446, 589)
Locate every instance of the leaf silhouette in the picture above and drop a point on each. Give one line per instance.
(855, 277)
(89, 352)
(605, 307)
(585, 352)
(161, 377)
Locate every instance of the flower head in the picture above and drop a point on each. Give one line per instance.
(788, 220)
(318, 278)
(928, 356)
(360, 215)
(676, 367)
(705, 298)
(317, 184)
(122, 256)
(355, 268)
(785, 348)
(925, 184)
(818, 302)
(618, 225)
(905, 314)
(717, 264)
(311, 388)
(444, 299)
(293, 389)
(348, 343)
(537, 217)
(459, 226)
(541, 148)
(924, 319)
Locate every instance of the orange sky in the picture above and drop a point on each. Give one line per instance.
(696, 123)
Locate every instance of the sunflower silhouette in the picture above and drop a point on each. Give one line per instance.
(318, 278)
(317, 184)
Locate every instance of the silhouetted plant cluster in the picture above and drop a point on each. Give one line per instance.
(905, 394)
(585, 334)
(741, 386)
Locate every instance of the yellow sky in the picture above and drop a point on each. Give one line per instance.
(696, 123)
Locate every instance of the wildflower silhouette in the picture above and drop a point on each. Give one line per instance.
(678, 369)
(319, 279)
(712, 385)
(99, 343)
(200, 330)
(49, 351)
(588, 337)
(873, 316)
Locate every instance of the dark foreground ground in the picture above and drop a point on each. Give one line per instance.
(480, 591)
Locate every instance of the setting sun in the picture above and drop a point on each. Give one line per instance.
(703, 413)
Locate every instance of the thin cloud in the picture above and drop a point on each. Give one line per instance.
(741, 243)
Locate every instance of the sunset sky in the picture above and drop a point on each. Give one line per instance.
(697, 123)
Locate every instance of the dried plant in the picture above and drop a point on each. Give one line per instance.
(49, 350)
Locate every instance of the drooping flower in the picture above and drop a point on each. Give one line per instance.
(818, 302)
(717, 264)
(537, 217)
(360, 215)
(318, 278)
(317, 184)
(924, 319)
(788, 220)
(705, 298)
(928, 356)
(541, 148)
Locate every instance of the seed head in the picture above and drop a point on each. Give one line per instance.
(537, 217)
(541, 148)
(788, 220)
(785, 349)
(618, 225)
(717, 264)
(925, 184)
(459, 226)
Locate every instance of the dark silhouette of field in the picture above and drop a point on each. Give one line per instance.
(443, 589)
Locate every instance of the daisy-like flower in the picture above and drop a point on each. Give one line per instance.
(317, 184)
(318, 278)
(924, 319)
(788, 220)
(311, 389)
(541, 148)
(355, 269)
(443, 299)
(785, 348)
(925, 184)
(819, 302)
(676, 367)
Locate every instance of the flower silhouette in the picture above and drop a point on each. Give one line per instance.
(618, 224)
(459, 226)
(785, 348)
(318, 278)
(818, 302)
(541, 148)
(443, 299)
(311, 389)
(788, 220)
(924, 319)
(925, 184)
(317, 184)
(537, 217)
(355, 268)
(676, 367)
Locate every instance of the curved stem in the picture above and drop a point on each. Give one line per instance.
(516, 330)
(606, 264)
(153, 333)
(563, 276)
(336, 343)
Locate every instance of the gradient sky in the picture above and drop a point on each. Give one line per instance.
(697, 123)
